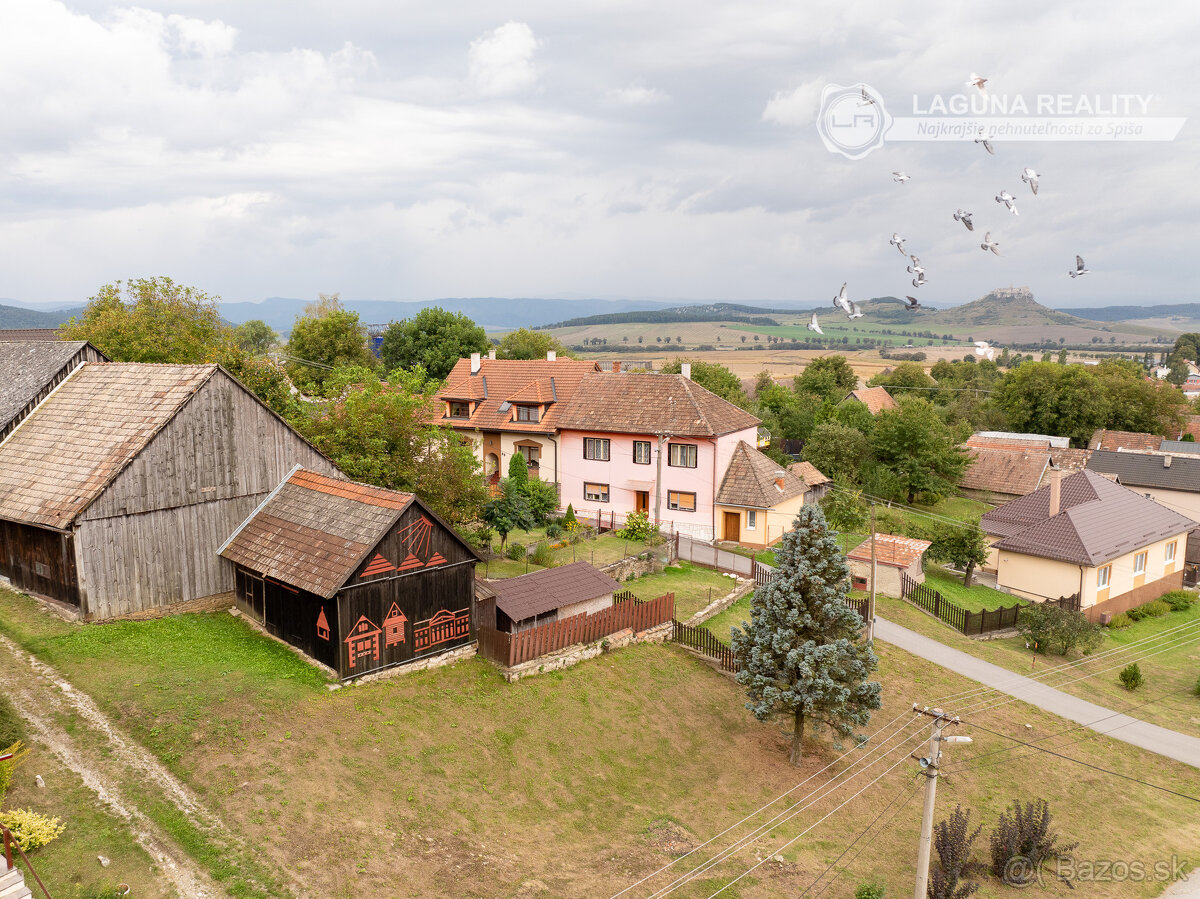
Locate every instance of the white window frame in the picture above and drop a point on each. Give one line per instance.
(751, 519)
(688, 453)
(638, 444)
(1170, 551)
(674, 504)
(597, 449)
(600, 494)
(1103, 577)
(1139, 563)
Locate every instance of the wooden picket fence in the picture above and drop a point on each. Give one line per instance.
(508, 650)
(973, 624)
(706, 643)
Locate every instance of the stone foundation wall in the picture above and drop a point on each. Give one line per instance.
(218, 602)
(573, 655)
(459, 654)
(625, 568)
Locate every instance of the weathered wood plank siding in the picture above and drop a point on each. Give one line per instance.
(39, 560)
(223, 443)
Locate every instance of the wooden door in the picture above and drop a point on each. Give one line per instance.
(733, 525)
(642, 502)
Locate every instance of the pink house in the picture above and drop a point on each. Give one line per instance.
(650, 442)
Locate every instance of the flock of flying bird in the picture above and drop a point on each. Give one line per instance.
(1028, 176)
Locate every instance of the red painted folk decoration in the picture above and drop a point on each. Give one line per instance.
(378, 566)
(393, 626)
(443, 626)
(363, 640)
(416, 539)
(322, 625)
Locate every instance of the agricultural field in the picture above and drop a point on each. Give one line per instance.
(574, 783)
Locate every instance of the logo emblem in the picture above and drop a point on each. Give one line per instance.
(852, 120)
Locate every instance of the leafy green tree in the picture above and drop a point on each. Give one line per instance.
(852, 414)
(830, 377)
(905, 376)
(255, 336)
(379, 432)
(714, 377)
(918, 448)
(518, 471)
(787, 414)
(837, 451)
(525, 343)
(434, 339)
(508, 512)
(1053, 399)
(1137, 404)
(153, 320)
(1047, 627)
(845, 510)
(962, 544)
(803, 652)
(330, 336)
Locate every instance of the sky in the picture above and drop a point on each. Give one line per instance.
(387, 149)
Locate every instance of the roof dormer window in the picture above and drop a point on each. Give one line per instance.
(529, 413)
(459, 409)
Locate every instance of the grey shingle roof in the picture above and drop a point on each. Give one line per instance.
(1150, 470)
(551, 588)
(1098, 521)
(27, 366)
(1187, 447)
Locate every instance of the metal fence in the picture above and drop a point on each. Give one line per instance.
(697, 551)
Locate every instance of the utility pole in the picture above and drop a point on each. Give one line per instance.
(929, 767)
(871, 602)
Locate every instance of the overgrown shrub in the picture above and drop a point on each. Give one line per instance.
(542, 554)
(1024, 832)
(554, 530)
(1046, 626)
(1119, 621)
(516, 551)
(1179, 600)
(1155, 609)
(542, 496)
(953, 839)
(18, 751)
(1136, 614)
(1131, 677)
(870, 891)
(31, 830)
(638, 527)
(572, 529)
(479, 536)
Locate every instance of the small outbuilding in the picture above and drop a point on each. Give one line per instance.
(893, 556)
(551, 594)
(357, 577)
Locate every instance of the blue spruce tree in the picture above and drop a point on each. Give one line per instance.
(803, 651)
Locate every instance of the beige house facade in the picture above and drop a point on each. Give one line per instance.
(758, 499)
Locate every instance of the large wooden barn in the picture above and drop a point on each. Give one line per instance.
(118, 488)
(358, 577)
(31, 369)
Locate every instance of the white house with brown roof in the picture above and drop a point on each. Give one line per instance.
(758, 499)
(511, 406)
(1084, 534)
(552, 594)
(894, 556)
(650, 442)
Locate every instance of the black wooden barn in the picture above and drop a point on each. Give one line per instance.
(358, 577)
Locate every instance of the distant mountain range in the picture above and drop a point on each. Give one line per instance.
(17, 317)
(1126, 313)
(1008, 307)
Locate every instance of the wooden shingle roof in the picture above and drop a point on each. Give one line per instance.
(313, 531)
(812, 477)
(27, 366)
(64, 454)
(890, 550)
(631, 403)
(750, 480)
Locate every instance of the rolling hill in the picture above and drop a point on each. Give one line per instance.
(16, 317)
(1011, 307)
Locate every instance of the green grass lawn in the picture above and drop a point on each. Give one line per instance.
(975, 598)
(1170, 676)
(453, 782)
(694, 587)
(599, 551)
(732, 617)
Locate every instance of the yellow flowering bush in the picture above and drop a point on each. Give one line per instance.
(7, 768)
(31, 830)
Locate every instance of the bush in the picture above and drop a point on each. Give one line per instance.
(573, 531)
(1024, 832)
(554, 530)
(7, 768)
(1179, 600)
(542, 554)
(1119, 621)
(870, 891)
(542, 496)
(1131, 677)
(1046, 626)
(1155, 609)
(638, 527)
(569, 517)
(953, 839)
(516, 551)
(1136, 614)
(479, 536)
(31, 830)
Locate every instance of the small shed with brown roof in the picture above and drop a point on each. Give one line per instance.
(358, 577)
(876, 399)
(117, 489)
(894, 555)
(758, 499)
(551, 594)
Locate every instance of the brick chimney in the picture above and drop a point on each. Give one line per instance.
(551, 355)
(1055, 491)
(686, 370)
(474, 363)
(779, 478)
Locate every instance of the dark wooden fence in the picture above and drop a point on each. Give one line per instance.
(970, 623)
(706, 643)
(513, 649)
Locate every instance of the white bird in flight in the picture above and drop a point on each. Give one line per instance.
(813, 325)
(989, 244)
(842, 301)
(1008, 200)
(901, 177)
(986, 143)
(898, 242)
(984, 349)
(920, 280)
(965, 217)
(1079, 269)
(916, 268)
(979, 82)
(1030, 177)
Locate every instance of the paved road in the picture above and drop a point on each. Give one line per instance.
(1169, 743)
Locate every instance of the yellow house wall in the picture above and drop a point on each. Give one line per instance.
(504, 444)
(772, 523)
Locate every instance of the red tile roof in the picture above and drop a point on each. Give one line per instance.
(809, 473)
(876, 399)
(1005, 465)
(630, 403)
(1104, 439)
(499, 381)
(890, 550)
